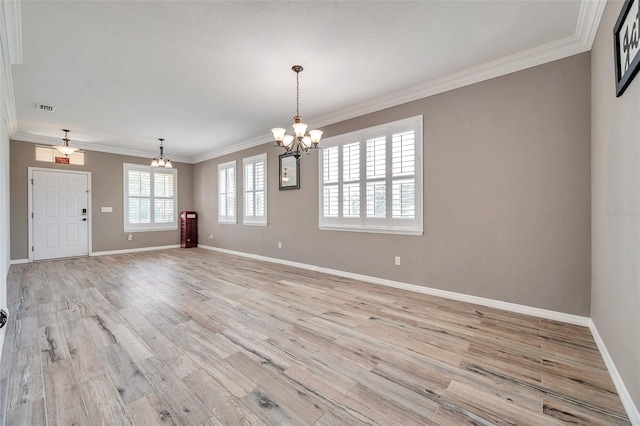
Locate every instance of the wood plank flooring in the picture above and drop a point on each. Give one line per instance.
(193, 337)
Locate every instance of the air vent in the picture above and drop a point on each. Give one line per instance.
(47, 108)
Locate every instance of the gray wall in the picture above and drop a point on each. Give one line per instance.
(106, 190)
(506, 205)
(615, 144)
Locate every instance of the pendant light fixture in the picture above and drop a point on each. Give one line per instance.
(301, 142)
(65, 148)
(161, 161)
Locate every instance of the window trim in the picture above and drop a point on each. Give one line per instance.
(148, 227)
(78, 158)
(254, 220)
(230, 219)
(388, 225)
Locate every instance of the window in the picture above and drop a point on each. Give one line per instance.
(150, 198)
(370, 180)
(255, 190)
(52, 155)
(227, 192)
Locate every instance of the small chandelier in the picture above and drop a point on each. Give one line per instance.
(161, 161)
(66, 149)
(296, 145)
(285, 178)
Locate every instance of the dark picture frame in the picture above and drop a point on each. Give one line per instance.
(626, 39)
(288, 172)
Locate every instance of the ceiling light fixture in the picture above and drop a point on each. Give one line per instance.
(296, 145)
(66, 149)
(162, 161)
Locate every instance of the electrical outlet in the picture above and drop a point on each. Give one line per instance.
(211, 236)
(397, 260)
(279, 244)
(129, 237)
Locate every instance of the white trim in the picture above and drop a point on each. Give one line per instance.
(236, 147)
(89, 146)
(152, 225)
(10, 52)
(254, 220)
(30, 205)
(491, 303)
(134, 250)
(371, 230)
(13, 22)
(19, 261)
(581, 41)
(364, 223)
(227, 218)
(586, 28)
(589, 21)
(623, 393)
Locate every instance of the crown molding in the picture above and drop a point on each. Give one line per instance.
(587, 25)
(586, 29)
(589, 21)
(11, 43)
(13, 22)
(88, 146)
(257, 141)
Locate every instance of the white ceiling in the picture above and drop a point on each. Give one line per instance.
(213, 77)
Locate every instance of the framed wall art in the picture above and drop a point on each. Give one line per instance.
(626, 36)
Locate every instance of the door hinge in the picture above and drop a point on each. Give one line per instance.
(32, 248)
(31, 215)
(31, 181)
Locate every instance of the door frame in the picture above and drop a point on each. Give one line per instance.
(30, 205)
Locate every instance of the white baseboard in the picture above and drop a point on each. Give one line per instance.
(507, 306)
(623, 393)
(18, 261)
(133, 250)
(625, 397)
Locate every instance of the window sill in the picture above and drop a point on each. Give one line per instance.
(132, 230)
(372, 230)
(255, 223)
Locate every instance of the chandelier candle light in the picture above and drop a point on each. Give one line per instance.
(66, 149)
(162, 161)
(296, 145)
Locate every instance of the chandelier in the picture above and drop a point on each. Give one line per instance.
(301, 142)
(65, 148)
(161, 161)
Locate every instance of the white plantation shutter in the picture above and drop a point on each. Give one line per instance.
(376, 177)
(351, 180)
(370, 180)
(150, 198)
(331, 199)
(403, 166)
(227, 192)
(164, 208)
(255, 190)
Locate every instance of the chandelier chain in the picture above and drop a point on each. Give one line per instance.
(298, 93)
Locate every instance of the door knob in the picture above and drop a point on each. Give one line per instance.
(84, 219)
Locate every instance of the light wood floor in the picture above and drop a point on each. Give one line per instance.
(195, 337)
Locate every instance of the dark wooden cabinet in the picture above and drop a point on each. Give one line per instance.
(188, 229)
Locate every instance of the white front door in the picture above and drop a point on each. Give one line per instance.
(60, 214)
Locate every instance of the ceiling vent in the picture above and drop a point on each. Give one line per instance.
(47, 108)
